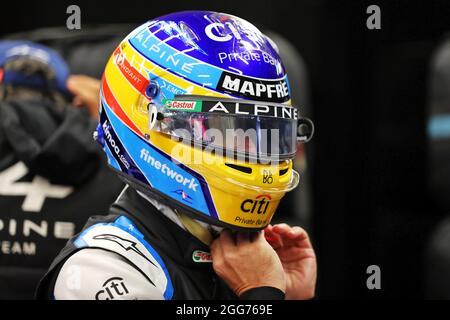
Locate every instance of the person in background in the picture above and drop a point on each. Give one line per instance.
(52, 176)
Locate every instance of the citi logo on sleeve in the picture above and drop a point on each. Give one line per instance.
(255, 89)
(112, 288)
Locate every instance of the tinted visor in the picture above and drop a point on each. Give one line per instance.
(234, 127)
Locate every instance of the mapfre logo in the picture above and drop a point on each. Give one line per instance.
(258, 205)
(113, 288)
(276, 91)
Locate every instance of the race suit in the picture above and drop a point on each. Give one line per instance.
(141, 250)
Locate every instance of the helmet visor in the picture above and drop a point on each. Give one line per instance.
(236, 127)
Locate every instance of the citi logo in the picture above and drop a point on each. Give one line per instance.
(259, 205)
(111, 289)
(172, 174)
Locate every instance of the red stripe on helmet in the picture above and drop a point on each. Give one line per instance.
(116, 108)
(134, 77)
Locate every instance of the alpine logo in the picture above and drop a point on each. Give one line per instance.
(255, 109)
(184, 196)
(254, 89)
(201, 256)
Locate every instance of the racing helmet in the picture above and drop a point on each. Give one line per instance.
(195, 111)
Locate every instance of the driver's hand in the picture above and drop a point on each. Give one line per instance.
(246, 261)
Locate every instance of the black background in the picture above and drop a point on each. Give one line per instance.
(369, 91)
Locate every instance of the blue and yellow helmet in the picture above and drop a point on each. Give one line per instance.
(195, 110)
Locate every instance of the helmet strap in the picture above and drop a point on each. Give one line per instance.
(197, 230)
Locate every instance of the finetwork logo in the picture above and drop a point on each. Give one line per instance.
(172, 174)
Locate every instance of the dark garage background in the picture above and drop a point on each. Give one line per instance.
(368, 101)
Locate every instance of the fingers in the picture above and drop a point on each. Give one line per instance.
(248, 263)
(297, 234)
(228, 240)
(287, 231)
(281, 228)
(272, 238)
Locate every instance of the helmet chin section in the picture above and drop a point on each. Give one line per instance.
(215, 224)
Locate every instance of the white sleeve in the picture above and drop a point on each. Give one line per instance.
(96, 274)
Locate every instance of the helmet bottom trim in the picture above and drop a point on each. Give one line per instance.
(191, 213)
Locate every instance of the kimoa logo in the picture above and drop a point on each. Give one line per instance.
(113, 144)
(172, 174)
(201, 256)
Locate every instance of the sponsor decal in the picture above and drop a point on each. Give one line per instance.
(186, 106)
(255, 89)
(126, 244)
(168, 89)
(236, 108)
(258, 205)
(267, 177)
(146, 43)
(184, 196)
(226, 30)
(113, 145)
(137, 80)
(278, 111)
(246, 56)
(201, 256)
(112, 288)
(166, 170)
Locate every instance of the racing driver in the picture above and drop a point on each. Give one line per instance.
(195, 116)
